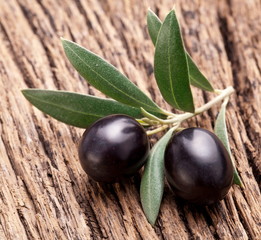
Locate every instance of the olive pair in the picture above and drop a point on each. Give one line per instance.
(197, 166)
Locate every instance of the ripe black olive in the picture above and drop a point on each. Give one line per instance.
(197, 166)
(113, 147)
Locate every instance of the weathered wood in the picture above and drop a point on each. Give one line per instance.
(44, 193)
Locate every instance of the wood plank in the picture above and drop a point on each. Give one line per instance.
(44, 192)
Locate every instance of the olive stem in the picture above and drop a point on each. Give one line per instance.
(225, 93)
(157, 130)
(181, 117)
(150, 121)
(167, 113)
(175, 120)
(218, 91)
(150, 116)
(143, 122)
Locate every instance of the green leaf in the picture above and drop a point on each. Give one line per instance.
(171, 68)
(152, 182)
(196, 77)
(154, 25)
(221, 132)
(76, 109)
(106, 78)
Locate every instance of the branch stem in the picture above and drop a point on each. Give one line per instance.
(182, 117)
(174, 120)
(157, 130)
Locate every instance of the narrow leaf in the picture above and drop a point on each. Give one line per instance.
(106, 78)
(221, 132)
(154, 25)
(152, 182)
(76, 109)
(196, 77)
(171, 68)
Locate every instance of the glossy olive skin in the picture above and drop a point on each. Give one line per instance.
(198, 167)
(113, 147)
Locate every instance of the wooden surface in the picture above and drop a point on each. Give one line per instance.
(44, 193)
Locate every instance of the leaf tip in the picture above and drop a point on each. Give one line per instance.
(25, 92)
(240, 184)
(237, 180)
(63, 40)
(152, 222)
(151, 11)
(152, 15)
(150, 217)
(173, 10)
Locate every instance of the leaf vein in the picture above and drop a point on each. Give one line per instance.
(169, 69)
(128, 96)
(62, 107)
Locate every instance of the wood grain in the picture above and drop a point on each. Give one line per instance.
(44, 193)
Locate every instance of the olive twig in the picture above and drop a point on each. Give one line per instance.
(182, 117)
(225, 93)
(167, 113)
(163, 127)
(152, 117)
(150, 121)
(218, 91)
(177, 119)
(142, 122)
(157, 130)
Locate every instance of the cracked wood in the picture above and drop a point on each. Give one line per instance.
(44, 192)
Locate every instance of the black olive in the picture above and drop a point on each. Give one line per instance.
(197, 166)
(113, 147)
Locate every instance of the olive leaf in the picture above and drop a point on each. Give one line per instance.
(221, 132)
(171, 68)
(106, 78)
(76, 109)
(152, 182)
(154, 25)
(196, 77)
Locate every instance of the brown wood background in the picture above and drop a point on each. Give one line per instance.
(44, 193)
